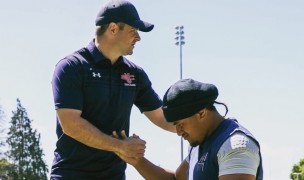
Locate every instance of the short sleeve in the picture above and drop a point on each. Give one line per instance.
(147, 99)
(238, 155)
(67, 85)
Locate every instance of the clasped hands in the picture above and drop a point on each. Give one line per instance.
(133, 148)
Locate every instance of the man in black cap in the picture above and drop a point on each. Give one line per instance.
(94, 90)
(220, 148)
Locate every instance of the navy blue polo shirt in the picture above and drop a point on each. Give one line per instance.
(105, 93)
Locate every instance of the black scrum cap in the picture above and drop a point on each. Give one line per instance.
(187, 97)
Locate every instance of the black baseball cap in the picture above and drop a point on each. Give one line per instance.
(121, 11)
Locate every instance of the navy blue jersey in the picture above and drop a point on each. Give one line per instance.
(105, 93)
(207, 164)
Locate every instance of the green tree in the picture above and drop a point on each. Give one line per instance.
(2, 130)
(297, 172)
(24, 150)
(6, 169)
(5, 166)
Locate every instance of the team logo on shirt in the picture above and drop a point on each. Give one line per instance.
(96, 75)
(128, 78)
(201, 162)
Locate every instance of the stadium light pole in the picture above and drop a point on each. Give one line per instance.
(180, 41)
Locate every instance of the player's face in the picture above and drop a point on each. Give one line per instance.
(128, 37)
(190, 129)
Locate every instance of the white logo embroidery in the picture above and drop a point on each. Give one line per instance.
(201, 162)
(96, 75)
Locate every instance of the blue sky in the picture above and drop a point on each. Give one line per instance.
(251, 50)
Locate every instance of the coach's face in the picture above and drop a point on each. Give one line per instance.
(192, 128)
(126, 39)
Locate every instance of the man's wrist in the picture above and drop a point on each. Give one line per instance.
(116, 145)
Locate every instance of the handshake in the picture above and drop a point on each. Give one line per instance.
(132, 148)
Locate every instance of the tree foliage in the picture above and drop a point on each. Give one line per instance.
(297, 172)
(6, 169)
(5, 166)
(24, 152)
(2, 131)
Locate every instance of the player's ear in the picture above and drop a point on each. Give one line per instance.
(202, 113)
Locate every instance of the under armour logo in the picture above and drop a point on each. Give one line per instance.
(96, 75)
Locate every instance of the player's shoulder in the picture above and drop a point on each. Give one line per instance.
(239, 142)
(73, 59)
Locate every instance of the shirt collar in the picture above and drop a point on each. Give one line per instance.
(99, 57)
